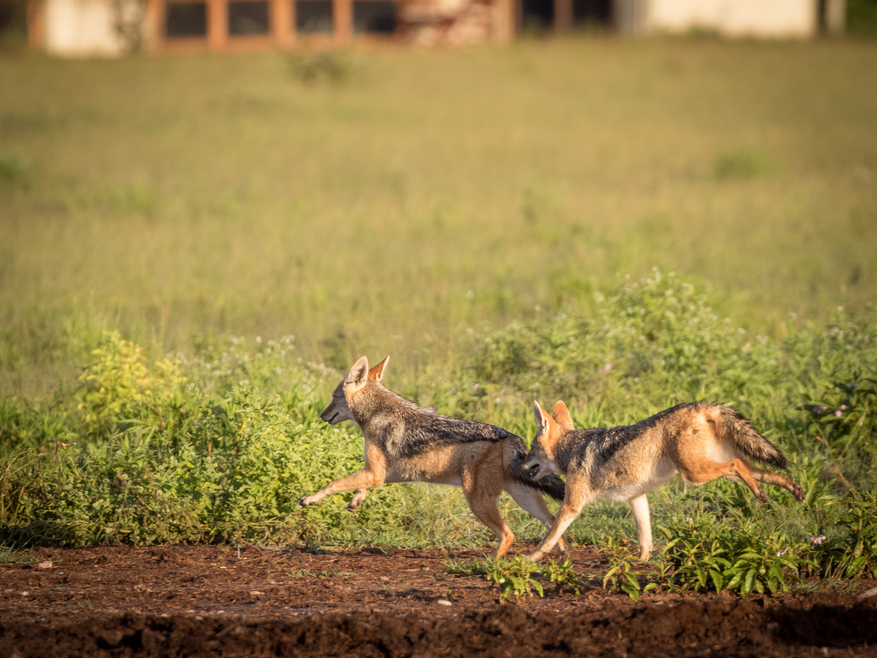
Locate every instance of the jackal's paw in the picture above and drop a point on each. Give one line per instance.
(762, 498)
(798, 493)
(561, 548)
(305, 501)
(354, 505)
(533, 557)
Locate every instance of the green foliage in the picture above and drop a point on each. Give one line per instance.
(120, 387)
(851, 550)
(740, 164)
(12, 173)
(219, 445)
(11, 556)
(320, 66)
(513, 576)
(621, 574)
(562, 576)
(705, 555)
(624, 573)
(186, 208)
(656, 342)
(862, 18)
(516, 575)
(657, 334)
(170, 458)
(844, 417)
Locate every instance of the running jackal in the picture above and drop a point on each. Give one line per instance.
(700, 441)
(408, 443)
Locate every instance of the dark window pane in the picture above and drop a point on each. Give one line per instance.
(185, 19)
(592, 12)
(313, 16)
(537, 15)
(374, 16)
(248, 18)
(13, 19)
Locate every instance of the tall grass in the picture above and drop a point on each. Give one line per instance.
(183, 198)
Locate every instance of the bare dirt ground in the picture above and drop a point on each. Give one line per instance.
(212, 601)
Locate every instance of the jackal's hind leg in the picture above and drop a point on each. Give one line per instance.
(485, 508)
(640, 506)
(769, 477)
(734, 470)
(361, 480)
(356, 501)
(533, 501)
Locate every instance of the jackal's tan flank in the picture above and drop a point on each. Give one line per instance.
(700, 441)
(407, 443)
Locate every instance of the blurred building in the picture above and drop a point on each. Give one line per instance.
(114, 27)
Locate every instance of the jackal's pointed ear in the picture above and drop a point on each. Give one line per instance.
(377, 372)
(561, 415)
(542, 419)
(358, 375)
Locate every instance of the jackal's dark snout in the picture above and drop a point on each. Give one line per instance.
(532, 469)
(331, 414)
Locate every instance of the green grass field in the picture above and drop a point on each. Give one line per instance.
(492, 218)
(178, 197)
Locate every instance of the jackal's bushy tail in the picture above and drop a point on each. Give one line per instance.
(737, 430)
(550, 485)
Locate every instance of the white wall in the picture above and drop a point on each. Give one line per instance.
(734, 18)
(82, 28)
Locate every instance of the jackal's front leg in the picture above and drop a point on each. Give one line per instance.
(572, 506)
(361, 480)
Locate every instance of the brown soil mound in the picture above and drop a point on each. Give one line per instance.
(207, 601)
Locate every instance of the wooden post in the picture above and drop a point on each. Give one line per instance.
(503, 21)
(342, 18)
(835, 17)
(282, 17)
(562, 15)
(153, 24)
(217, 24)
(36, 23)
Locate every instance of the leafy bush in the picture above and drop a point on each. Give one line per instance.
(702, 553)
(163, 461)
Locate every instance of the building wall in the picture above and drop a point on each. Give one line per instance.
(82, 28)
(734, 18)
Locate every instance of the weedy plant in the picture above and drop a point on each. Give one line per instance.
(518, 576)
(562, 576)
(511, 575)
(625, 571)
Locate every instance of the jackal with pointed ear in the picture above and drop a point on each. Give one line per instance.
(406, 443)
(700, 441)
